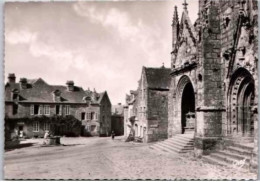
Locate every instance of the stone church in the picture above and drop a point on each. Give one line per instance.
(214, 73)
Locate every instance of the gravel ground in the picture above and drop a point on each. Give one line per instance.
(103, 158)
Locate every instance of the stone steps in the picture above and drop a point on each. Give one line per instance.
(235, 155)
(180, 143)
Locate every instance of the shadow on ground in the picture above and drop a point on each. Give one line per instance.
(18, 146)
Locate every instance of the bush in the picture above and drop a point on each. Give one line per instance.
(59, 125)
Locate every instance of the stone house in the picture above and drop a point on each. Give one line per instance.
(214, 73)
(117, 119)
(97, 119)
(33, 98)
(151, 104)
(129, 112)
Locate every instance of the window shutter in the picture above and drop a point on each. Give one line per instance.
(32, 110)
(40, 110)
(60, 110)
(68, 110)
(48, 110)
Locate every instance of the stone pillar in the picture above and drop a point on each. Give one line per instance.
(210, 108)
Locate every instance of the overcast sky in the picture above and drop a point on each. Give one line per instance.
(101, 45)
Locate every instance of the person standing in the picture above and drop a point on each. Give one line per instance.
(113, 135)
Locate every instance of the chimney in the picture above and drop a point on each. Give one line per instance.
(70, 85)
(23, 83)
(11, 78)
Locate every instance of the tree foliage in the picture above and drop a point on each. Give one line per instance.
(60, 125)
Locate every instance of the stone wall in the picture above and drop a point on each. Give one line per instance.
(157, 115)
(210, 109)
(105, 116)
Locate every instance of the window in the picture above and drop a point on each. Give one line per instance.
(92, 115)
(83, 116)
(15, 96)
(67, 110)
(36, 109)
(46, 110)
(58, 109)
(15, 109)
(36, 126)
(46, 126)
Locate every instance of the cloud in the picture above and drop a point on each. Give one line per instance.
(113, 18)
(20, 37)
(143, 37)
(101, 45)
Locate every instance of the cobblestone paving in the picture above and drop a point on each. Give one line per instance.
(102, 158)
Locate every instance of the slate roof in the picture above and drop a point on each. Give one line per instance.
(158, 78)
(95, 97)
(39, 91)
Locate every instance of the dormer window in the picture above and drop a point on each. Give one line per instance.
(57, 95)
(86, 99)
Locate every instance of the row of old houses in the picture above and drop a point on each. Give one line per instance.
(213, 79)
(147, 106)
(33, 99)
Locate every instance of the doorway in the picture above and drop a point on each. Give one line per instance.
(187, 104)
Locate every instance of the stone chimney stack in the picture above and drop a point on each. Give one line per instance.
(70, 85)
(11, 78)
(23, 83)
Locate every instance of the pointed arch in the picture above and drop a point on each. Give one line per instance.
(241, 94)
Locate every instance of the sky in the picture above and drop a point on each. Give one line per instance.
(101, 44)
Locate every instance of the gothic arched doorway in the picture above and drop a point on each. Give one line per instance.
(241, 100)
(187, 104)
(186, 101)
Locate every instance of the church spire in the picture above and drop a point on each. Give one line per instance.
(175, 27)
(175, 15)
(185, 4)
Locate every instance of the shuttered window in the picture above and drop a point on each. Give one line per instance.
(32, 109)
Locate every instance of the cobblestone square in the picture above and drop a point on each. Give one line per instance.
(104, 158)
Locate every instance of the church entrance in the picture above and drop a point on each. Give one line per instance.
(241, 102)
(187, 105)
